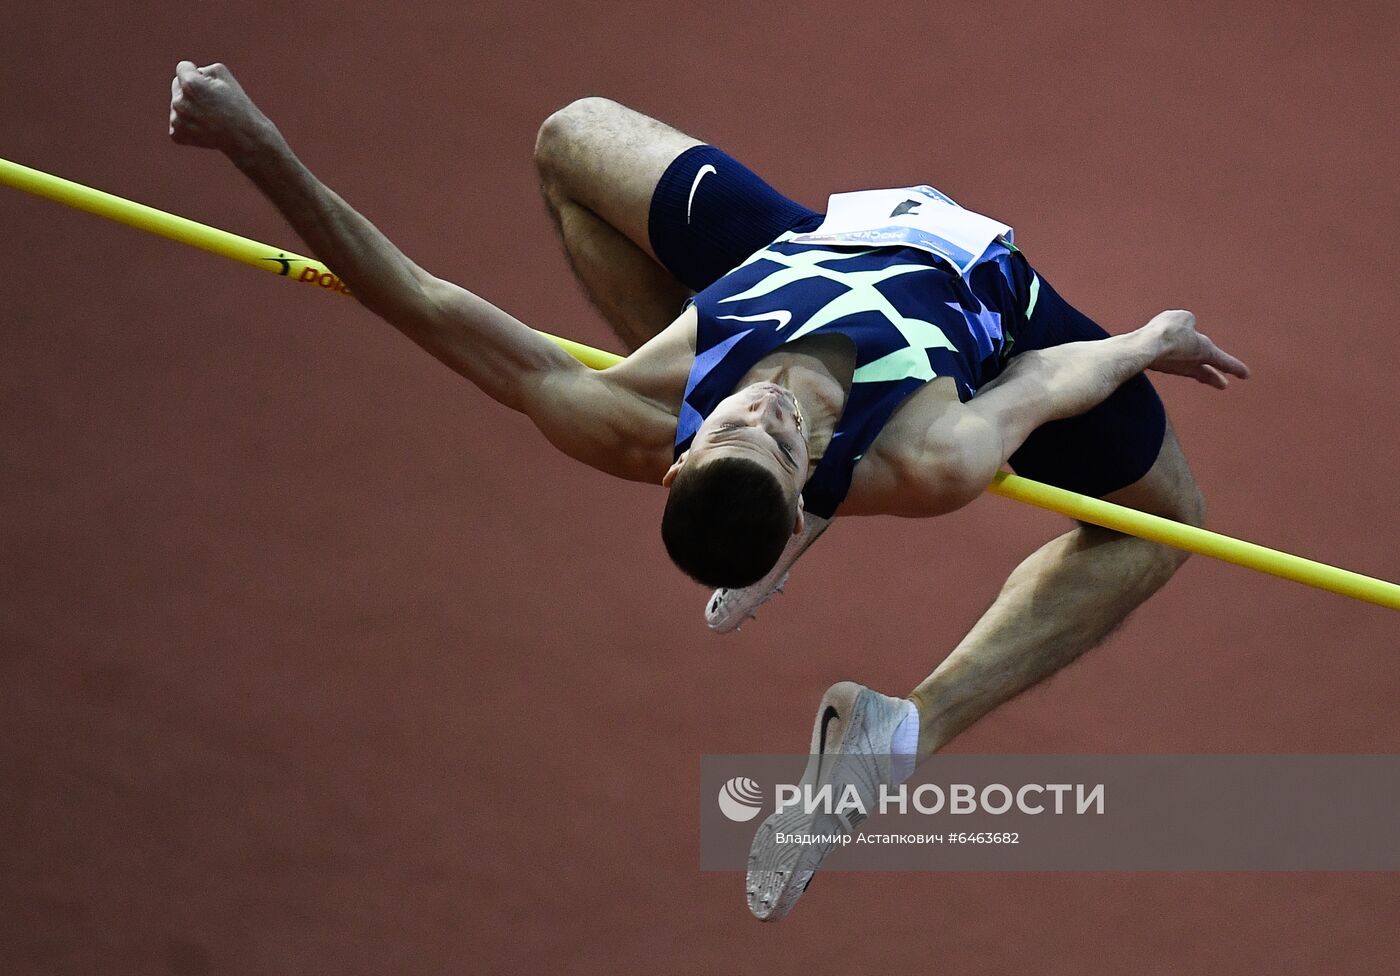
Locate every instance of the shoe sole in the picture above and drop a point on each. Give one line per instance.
(778, 874)
(726, 613)
(728, 610)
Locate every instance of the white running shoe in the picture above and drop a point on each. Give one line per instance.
(727, 610)
(861, 738)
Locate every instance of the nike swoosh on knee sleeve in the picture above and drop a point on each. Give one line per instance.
(705, 171)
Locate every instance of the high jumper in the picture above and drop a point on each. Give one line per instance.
(887, 357)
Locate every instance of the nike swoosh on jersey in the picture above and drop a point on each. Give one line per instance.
(782, 316)
(705, 171)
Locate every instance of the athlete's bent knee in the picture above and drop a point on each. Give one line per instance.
(1187, 506)
(565, 127)
(1193, 507)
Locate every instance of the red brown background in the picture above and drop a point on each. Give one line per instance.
(315, 661)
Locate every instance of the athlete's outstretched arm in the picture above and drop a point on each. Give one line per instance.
(1062, 381)
(581, 411)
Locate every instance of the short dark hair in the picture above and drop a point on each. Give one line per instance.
(727, 521)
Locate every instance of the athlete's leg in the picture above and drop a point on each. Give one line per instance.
(1057, 604)
(649, 214)
(599, 163)
(1061, 601)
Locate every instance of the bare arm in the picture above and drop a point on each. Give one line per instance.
(585, 413)
(966, 446)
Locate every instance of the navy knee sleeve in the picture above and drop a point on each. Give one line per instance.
(709, 212)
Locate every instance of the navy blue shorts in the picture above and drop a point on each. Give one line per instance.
(709, 212)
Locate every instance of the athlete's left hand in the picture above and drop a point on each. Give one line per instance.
(1180, 349)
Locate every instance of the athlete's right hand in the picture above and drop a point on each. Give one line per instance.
(210, 109)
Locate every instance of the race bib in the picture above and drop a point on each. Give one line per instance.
(914, 216)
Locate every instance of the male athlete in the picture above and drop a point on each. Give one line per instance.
(787, 366)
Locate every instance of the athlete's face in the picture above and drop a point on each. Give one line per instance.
(760, 422)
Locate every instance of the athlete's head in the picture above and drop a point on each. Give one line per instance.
(736, 494)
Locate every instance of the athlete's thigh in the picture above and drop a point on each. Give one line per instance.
(1105, 449)
(609, 158)
(1168, 489)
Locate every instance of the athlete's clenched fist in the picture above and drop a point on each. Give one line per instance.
(210, 109)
